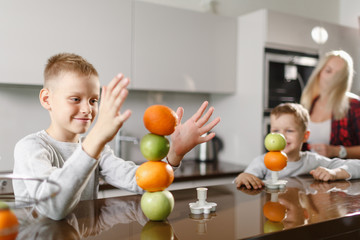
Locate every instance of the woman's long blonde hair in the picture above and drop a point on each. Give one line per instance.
(338, 101)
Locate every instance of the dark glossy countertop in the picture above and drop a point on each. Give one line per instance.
(195, 170)
(314, 210)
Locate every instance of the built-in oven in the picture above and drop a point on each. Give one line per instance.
(286, 73)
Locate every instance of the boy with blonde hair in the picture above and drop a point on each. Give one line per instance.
(71, 95)
(291, 120)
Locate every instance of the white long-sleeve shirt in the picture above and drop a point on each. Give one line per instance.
(40, 156)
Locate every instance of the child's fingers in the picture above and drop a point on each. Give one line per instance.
(251, 183)
(206, 138)
(210, 125)
(248, 185)
(119, 101)
(256, 183)
(206, 117)
(115, 81)
(124, 116)
(118, 89)
(179, 113)
(200, 111)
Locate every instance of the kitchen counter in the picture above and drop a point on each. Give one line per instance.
(314, 210)
(191, 170)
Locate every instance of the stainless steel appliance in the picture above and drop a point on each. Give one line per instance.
(208, 151)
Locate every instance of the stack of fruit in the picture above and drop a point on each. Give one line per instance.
(275, 159)
(155, 175)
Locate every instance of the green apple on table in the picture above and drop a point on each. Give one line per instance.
(154, 147)
(275, 142)
(157, 206)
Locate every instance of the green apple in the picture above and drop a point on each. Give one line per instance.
(157, 231)
(275, 142)
(157, 206)
(154, 147)
(270, 226)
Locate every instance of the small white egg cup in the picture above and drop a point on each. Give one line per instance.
(201, 206)
(274, 182)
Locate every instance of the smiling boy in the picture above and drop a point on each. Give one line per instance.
(71, 95)
(291, 120)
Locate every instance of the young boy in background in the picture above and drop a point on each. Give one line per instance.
(71, 95)
(291, 120)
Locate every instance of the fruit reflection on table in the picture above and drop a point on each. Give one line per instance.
(274, 212)
(8, 223)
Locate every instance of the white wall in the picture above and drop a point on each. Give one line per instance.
(21, 114)
(349, 13)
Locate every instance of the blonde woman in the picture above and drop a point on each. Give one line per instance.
(334, 111)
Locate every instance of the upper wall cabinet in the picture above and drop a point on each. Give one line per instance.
(181, 50)
(31, 32)
(295, 32)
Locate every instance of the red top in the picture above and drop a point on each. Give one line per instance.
(345, 131)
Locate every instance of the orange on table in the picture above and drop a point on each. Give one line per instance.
(154, 176)
(274, 211)
(160, 120)
(275, 161)
(8, 224)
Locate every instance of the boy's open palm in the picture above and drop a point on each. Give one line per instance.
(189, 134)
(110, 118)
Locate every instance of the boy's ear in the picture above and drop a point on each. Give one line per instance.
(44, 98)
(306, 136)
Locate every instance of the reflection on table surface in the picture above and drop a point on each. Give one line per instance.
(308, 206)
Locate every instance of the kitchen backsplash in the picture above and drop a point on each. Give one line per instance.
(22, 114)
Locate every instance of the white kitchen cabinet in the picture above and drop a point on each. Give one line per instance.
(181, 50)
(32, 31)
(294, 33)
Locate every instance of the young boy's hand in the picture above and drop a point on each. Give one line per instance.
(110, 119)
(113, 96)
(249, 181)
(186, 136)
(325, 174)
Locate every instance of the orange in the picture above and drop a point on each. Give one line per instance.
(160, 120)
(8, 224)
(275, 161)
(274, 211)
(154, 176)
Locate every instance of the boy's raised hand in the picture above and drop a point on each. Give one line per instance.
(110, 119)
(249, 181)
(112, 98)
(189, 134)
